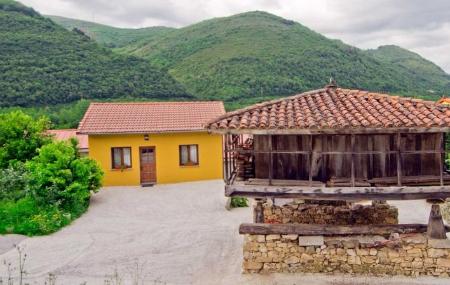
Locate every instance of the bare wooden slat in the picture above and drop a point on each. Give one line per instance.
(270, 160)
(353, 161)
(441, 158)
(310, 160)
(425, 179)
(339, 193)
(283, 182)
(399, 160)
(331, 230)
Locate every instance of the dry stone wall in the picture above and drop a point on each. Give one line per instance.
(411, 255)
(324, 213)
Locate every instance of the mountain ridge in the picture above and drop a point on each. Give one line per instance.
(42, 64)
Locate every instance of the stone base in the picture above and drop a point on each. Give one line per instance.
(410, 255)
(323, 213)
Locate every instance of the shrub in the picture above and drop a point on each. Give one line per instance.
(13, 182)
(237, 202)
(58, 176)
(26, 217)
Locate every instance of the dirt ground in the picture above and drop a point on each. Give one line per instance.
(167, 234)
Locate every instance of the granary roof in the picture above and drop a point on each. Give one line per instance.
(333, 109)
(149, 117)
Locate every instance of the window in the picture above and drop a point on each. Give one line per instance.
(121, 157)
(188, 154)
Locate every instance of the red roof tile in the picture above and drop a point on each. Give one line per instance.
(67, 134)
(336, 109)
(149, 117)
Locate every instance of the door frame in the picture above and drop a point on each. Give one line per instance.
(140, 165)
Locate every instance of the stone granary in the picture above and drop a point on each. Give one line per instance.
(329, 150)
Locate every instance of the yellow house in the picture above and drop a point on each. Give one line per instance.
(154, 142)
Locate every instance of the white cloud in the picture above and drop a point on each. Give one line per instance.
(421, 26)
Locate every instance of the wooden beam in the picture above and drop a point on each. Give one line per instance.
(270, 160)
(436, 228)
(343, 131)
(441, 159)
(310, 160)
(339, 193)
(330, 230)
(399, 160)
(352, 170)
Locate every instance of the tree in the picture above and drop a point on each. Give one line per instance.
(20, 137)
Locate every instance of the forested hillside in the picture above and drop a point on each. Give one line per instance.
(110, 36)
(419, 68)
(41, 63)
(256, 55)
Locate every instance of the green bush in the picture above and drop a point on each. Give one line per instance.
(238, 202)
(13, 182)
(60, 177)
(26, 217)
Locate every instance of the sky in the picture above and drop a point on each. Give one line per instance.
(422, 26)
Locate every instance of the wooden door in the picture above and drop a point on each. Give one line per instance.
(148, 165)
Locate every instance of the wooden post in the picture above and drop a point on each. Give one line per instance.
(399, 160)
(436, 228)
(270, 160)
(353, 160)
(310, 156)
(258, 211)
(227, 180)
(441, 159)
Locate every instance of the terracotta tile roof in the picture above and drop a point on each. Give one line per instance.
(149, 117)
(336, 109)
(67, 134)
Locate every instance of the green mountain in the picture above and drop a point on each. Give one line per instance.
(420, 68)
(110, 36)
(41, 63)
(256, 55)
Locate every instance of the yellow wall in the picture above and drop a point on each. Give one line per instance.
(166, 146)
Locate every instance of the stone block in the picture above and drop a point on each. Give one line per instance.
(292, 260)
(439, 243)
(436, 252)
(252, 265)
(261, 238)
(272, 237)
(290, 237)
(443, 262)
(310, 241)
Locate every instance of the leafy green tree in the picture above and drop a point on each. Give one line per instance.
(20, 137)
(59, 176)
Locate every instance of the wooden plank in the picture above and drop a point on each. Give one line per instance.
(399, 160)
(441, 159)
(353, 161)
(270, 160)
(423, 179)
(283, 182)
(332, 131)
(310, 160)
(339, 193)
(330, 230)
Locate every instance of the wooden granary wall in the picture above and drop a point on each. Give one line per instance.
(375, 155)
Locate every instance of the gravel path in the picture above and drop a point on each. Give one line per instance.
(177, 234)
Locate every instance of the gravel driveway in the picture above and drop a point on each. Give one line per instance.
(174, 234)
